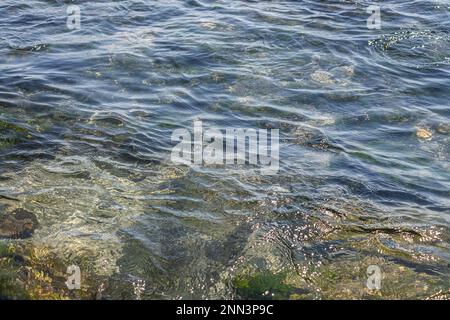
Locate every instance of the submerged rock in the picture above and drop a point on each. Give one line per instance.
(10, 134)
(337, 75)
(343, 71)
(322, 77)
(264, 286)
(424, 133)
(443, 128)
(19, 224)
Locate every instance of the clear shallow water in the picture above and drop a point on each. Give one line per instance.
(86, 118)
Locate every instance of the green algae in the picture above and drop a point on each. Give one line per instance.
(264, 285)
(343, 280)
(11, 134)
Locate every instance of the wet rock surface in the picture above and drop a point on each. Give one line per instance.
(19, 224)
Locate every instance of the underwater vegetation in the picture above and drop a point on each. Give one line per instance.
(87, 180)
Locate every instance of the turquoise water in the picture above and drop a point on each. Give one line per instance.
(86, 118)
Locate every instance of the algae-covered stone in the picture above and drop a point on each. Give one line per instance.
(9, 285)
(33, 272)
